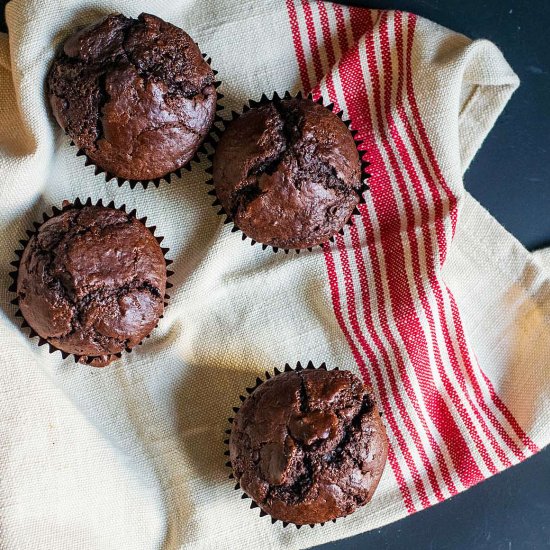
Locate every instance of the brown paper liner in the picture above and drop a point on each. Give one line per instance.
(167, 177)
(243, 398)
(215, 136)
(96, 360)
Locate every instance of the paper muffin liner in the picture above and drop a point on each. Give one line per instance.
(196, 159)
(217, 131)
(95, 360)
(250, 391)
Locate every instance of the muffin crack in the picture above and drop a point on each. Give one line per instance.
(78, 322)
(290, 123)
(157, 69)
(304, 403)
(158, 127)
(243, 196)
(294, 145)
(350, 430)
(296, 491)
(75, 231)
(105, 97)
(333, 179)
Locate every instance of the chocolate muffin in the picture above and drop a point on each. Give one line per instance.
(288, 173)
(91, 282)
(309, 446)
(135, 95)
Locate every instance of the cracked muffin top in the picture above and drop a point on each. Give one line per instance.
(91, 282)
(135, 94)
(309, 446)
(288, 173)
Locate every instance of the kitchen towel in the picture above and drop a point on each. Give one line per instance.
(426, 296)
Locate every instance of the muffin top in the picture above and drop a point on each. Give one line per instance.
(309, 446)
(288, 173)
(135, 94)
(91, 282)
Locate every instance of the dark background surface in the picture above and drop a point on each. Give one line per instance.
(510, 176)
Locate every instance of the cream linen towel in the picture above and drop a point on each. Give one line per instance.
(131, 456)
